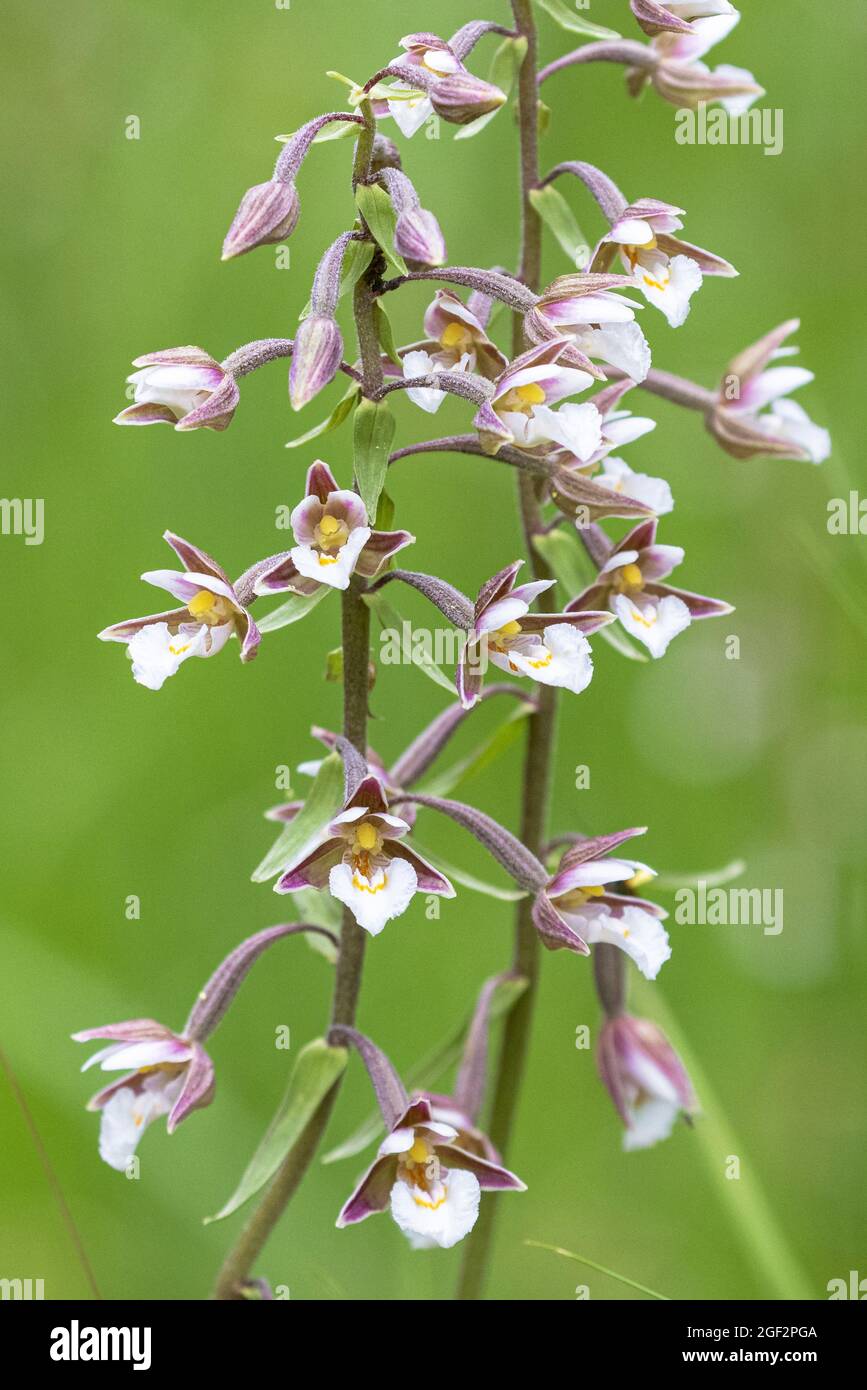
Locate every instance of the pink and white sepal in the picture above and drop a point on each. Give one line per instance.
(550, 648)
(665, 269)
(753, 414)
(213, 611)
(431, 1184)
(630, 584)
(164, 1074)
(182, 386)
(365, 864)
(620, 428)
(645, 1078)
(520, 410)
(593, 892)
(334, 541)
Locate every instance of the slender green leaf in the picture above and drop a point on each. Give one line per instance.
(341, 411)
(565, 558)
(713, 878)
(391, 619)
(321, 910)
(372, 440)
(386, 335)
(568, 19)
(556, 213)
(503, 738)
(298, 836)
(505, 67)
(614, 635)
(384, 513)
(467, 880)
(424, 1075)
(763, 1240)
(315, 1072)
(378, 212)
(612, 1274)
(297, 606)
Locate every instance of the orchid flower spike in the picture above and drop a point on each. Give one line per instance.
(645, 1078)
(753, 414)
(596, 896)
(213, 611)
(333, 539)
(184, 387)
(450, 90)
(619, 428)
(431, 1182)
(365, 864)
(165, 1074)
(520, 409)
(550, 648)
(596, 322)
(630, 584)
(456, 342)
(665, 269)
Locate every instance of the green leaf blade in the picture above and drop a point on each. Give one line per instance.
(316, 1071)
(372, 439)
(300, 835)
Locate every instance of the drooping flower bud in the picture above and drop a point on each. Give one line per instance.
(316, 358)
(645, 1078)
(419, 239)
(460, 98)
(268, 214)
(417, 235)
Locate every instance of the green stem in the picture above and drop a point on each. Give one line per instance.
(350, 961)
(538, 759)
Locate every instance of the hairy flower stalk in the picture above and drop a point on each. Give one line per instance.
(350, 959)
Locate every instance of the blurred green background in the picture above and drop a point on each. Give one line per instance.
(112, 249)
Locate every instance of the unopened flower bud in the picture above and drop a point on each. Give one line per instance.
(461, 98)
(419, 239)
(268, 214)
(316, 357)
(645, 1077)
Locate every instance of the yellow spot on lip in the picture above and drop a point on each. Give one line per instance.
(431, 1206)
(364, 887)
(179, 651)
(640, 618)
(657, 284)
(543, 661)
(328, 559)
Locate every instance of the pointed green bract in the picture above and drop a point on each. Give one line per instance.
(296, 607)
(378, 212)
(426, 1073)
(390, 617)
(324, 800)
(315, 1072)
(502, 738)
(556, 213)
(341, 412)
(567, 19)
(372, 440)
